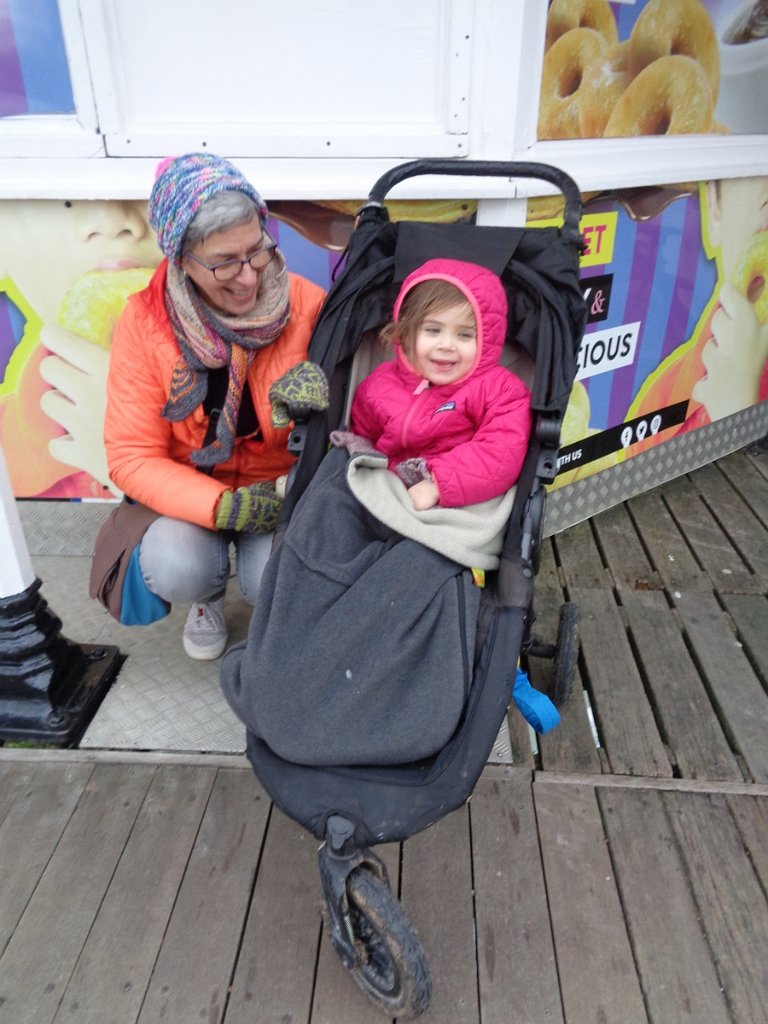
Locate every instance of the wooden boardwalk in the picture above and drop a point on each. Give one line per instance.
(617, 875)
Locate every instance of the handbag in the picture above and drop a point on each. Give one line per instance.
(116, 581)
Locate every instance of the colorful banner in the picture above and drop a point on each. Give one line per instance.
(654, 67)
(676, 334)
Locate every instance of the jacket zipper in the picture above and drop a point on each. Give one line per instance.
(423, 386)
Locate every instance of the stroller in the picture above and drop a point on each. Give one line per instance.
(351, 797)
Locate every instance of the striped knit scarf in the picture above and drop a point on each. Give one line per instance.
(209, 339)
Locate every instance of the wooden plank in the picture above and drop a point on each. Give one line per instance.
(741, 700)
(337, 999)
(516, 960)
(712, 548)
(689, 723)
(750, 617)
(756, 454)
(668, 550)
(580, 558)
(731, 903)
(571, 746)
(275, 972)
(751, 485)
(745, 531)
(751, 789)
(193, 970)
(751, 816)
(679, 979)
(116, 963)
(43, 951)
(744, 473)
(548, 576)
(438, 897)
(519, 739)
(30, 831)
(623, 716)
(14, 780)
(594, 958)
(623, 551)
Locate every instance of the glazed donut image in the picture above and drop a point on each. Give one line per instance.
(603, 82)
(676, 27)
(563, 15)
(669, 97)
(95, 301)
(561, 77)
(750, 273)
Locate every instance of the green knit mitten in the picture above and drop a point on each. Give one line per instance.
(252, 509)
(302, 389)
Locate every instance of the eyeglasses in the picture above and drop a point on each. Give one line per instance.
(228, 270)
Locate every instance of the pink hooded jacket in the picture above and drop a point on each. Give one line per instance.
(472, 433)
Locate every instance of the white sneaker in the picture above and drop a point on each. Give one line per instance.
(205, 631)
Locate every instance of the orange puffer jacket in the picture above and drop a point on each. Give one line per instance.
(149, 457)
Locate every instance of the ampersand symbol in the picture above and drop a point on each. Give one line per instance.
(599, 302)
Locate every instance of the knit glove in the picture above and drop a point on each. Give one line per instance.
(252, 509)
(355, 444)
(302, 389)
(413, 471)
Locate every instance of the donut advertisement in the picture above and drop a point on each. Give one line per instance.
(677, 306)
(654, 67)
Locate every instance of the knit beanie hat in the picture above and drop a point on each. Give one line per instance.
(182, 185)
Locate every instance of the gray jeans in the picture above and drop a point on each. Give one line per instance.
(185, 563)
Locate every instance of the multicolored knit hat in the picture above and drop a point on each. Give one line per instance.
(182, 185)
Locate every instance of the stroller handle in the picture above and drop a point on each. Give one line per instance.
(489, 169)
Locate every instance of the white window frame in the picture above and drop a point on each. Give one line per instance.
(59, 136)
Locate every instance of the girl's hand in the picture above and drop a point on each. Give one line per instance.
(734, 357)
(424, 495)
(77, 373)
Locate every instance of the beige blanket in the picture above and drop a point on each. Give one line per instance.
(471, 535)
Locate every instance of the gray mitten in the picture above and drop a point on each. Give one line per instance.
(413, 471)
(354, 443)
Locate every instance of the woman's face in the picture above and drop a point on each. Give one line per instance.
(236, 297)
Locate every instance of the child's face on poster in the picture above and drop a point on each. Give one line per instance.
(47, 245)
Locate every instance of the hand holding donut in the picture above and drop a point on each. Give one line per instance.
(734, 356)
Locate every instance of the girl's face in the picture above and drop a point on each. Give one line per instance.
(445, 347)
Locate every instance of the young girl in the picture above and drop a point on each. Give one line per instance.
(452, 422)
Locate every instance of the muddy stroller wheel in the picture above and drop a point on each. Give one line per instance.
(367, 926)
(566, 653)
(392, 969)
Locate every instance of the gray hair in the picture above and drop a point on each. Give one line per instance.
(227, 209)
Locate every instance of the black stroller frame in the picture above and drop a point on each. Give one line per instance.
(349, 809)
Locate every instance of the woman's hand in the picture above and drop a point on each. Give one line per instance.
(424, 495)
(734, 357)
(77, 372)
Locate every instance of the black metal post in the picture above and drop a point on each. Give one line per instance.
(49, 686)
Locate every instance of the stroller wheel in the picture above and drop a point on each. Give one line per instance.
(566, 653)
(392, 968)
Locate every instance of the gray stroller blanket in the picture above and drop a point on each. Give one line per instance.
(472, 535)
(361, 645)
